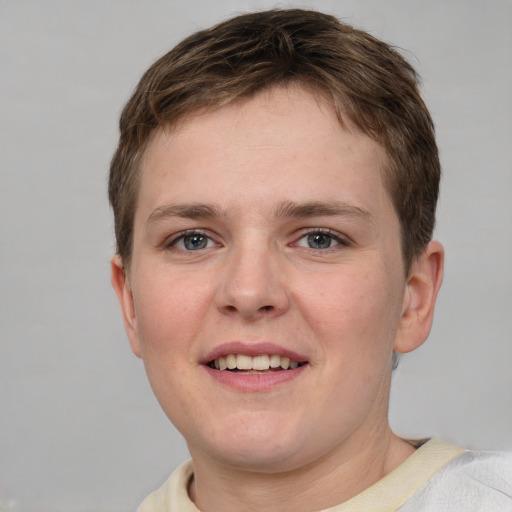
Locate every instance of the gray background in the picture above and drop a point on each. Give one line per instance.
(80, 429)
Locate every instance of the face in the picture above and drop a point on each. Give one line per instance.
(266, 288)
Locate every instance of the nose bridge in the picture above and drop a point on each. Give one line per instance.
(252, 282)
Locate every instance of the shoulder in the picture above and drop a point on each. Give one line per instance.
(472, 481)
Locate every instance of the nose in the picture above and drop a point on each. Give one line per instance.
(252, 283)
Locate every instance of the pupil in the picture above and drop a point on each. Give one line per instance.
(194, 242)
(319, 241)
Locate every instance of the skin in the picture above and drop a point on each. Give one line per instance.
(322, 436)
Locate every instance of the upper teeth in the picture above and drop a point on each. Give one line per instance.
(262, 362)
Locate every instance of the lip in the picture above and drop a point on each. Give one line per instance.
(253, 382)
(251, 349)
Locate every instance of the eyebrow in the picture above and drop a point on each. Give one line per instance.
(286, 209)
(290, 209)
(184, 210)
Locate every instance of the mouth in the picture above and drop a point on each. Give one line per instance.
(259, 364)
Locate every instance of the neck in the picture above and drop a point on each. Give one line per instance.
(324, 483)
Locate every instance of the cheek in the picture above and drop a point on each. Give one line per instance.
(169, 310)
(353, 309)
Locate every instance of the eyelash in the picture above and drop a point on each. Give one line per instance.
(333, 235)
(171, 244)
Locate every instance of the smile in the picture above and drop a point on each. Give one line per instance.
(254, 364)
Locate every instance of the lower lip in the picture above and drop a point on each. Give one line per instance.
(254, 382)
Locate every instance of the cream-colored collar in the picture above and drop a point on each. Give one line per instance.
(392, 491)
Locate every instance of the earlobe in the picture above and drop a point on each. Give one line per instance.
(423, 284)
(124, 294)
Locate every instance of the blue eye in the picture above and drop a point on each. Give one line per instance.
(193, 242)
(318, 240)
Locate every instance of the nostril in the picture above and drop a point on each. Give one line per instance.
(262, 308)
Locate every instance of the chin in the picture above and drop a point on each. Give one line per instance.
(267, 446)
(262, 460)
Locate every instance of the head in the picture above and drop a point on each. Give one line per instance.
(274, 191)
(365, 81)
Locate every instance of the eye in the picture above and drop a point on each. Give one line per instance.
(319, 240)
(192, 242)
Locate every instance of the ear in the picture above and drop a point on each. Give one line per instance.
(121, 285)
(423, 283)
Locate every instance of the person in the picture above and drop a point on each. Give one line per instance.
(274, 193)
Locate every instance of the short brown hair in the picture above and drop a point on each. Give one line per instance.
(364, 79)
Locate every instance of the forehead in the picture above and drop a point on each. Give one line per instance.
(286, 130)
(286, 121)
